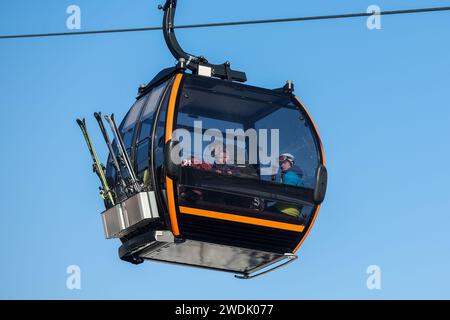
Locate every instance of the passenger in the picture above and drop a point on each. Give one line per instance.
(290, 173)
(221, 163)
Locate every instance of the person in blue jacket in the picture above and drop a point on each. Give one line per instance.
(290, 173)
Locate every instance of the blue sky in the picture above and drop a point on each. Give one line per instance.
(380, 99)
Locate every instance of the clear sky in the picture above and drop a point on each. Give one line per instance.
(380, 99)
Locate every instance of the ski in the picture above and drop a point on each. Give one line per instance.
(123, 153)
(98, 117)
(97, 166)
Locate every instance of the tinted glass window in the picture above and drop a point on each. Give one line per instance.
(145, 129)
(158, 150)
(295, 138)
(128, 125)
(153, 100)
(251, 150)
(150, 107)
(188, 122)
(133, 114)
(142, 157)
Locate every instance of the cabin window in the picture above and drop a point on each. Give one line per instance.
(246, 129)
(296, 140)
(128, 125)
(146, 124)
(148, 112)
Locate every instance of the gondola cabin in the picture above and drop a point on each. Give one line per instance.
(236, 217)
(208, 171)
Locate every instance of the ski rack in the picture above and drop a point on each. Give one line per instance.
(127, 216)
(198, 65)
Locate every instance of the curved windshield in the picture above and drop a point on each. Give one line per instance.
(246, 150)
(296, 144)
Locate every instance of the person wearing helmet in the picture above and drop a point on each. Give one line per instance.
(290, 173)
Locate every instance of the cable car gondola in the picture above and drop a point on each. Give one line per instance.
(203, 207)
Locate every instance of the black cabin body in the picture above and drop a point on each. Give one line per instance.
(207, 171)
(240, 219)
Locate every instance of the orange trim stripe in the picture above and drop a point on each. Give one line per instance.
(241, 219)
(172, 208)
(171, 107)
(168, 136)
